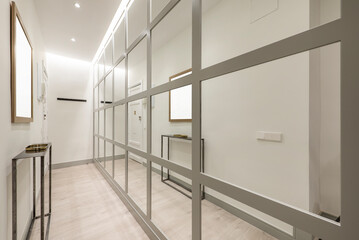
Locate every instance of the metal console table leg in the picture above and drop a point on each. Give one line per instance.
(33, 156)
(168, 177)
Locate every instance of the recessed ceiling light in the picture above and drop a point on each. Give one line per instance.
(77, 5)
(73, 40)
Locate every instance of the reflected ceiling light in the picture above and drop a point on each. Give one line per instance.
(73, 40)
(77, 5)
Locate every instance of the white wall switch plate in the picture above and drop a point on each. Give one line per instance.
(269, 136)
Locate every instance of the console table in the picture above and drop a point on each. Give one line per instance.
(33, 155)
(168, 178)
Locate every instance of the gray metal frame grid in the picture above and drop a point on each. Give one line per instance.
(342, 30)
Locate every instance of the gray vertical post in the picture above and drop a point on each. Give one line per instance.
(126, 104)
(42, 198)
(149, 116)
(34, 188)
(14, 201)
(50, 177)
(196, 119)
(349, 120)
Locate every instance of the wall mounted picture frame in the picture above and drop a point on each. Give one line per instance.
(180, 100)
(21, 70)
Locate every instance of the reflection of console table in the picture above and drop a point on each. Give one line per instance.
(168, 178)
(33, 155)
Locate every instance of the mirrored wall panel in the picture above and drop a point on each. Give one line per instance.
(108, 56)
(282, 128)
(157, 6)
(137, 69)
(108, 89)
(101, 94)
(119, 78)
(96, 142)
(230, 219)
(137, 121)
(119, 40)
(171, 203)
(171, 138)
(101, 67)
(101, 126)
(96, 98)
(101, 151)
(120, 124)
(120, 167)
(234, 27)
(96, 122)
(95, 73)
(172, 45)
(137, 180)
(109, 123)
(109, 158)
(137, 20)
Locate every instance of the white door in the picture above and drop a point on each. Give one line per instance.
(135, 123)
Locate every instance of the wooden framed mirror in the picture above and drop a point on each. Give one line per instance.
(21, 70)
(180, 100)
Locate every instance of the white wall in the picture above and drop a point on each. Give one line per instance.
(15, 137)
(69, 123)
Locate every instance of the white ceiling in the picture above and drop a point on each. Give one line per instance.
(60, 21)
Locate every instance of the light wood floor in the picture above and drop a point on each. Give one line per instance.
(172, 211)
(85, 207)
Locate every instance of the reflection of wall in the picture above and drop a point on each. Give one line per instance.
(233, 16)
(15, 137)
(278, 170)
(180, 150)
(137, 66)
(263, 98)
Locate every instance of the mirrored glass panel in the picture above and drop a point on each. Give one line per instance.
(234, 27)
(157, 6)
(119, 41)
(101, 66)
(172, 44)
(230, 219)
(120, 124)
(137, 69)
(95, 73)
(137, 121)
(137, 20)
(137, 180)
(109, 158)
(101, 94)
(171, 137)
(108, 56)
(96, 149)
(278, 124)
(119, 75)
(171, 203)
(96, 122)
(96, 98)
(109, 123)
(108, 88)
(101, 131)
(101, 151)
(120, 167)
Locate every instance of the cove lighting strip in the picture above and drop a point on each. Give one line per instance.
(119, 15)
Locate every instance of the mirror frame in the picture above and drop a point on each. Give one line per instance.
(14, 118)
(169, 112)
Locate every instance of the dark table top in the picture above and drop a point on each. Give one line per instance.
(24, 154)
(172, 136)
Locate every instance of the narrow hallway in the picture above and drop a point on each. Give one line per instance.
(85, 207)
